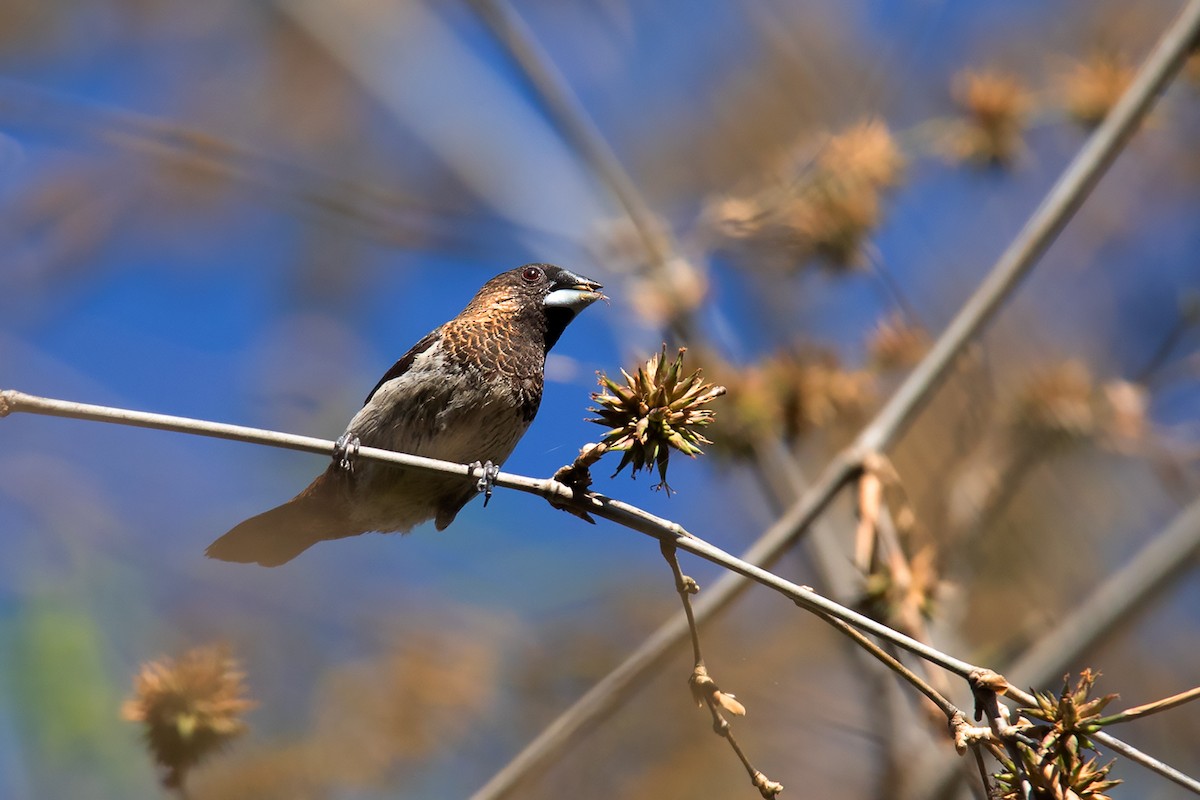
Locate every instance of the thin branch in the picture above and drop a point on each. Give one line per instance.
(1147, 709)
(573, 122)
(951, 711)
(1167, 557)
(704, 687)
(624, 514)
(1148, 761)
(686, 587)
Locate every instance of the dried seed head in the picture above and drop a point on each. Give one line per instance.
(840, 202)
(996, 106)
(897, 344)
(189, 707)
(865, 152)
(657, 410)
(1057, 767)
(815, 392)
(821, 207)
(1092, 86)
(1055, 406)
(751, 412)
(735, 217)
(674, 290)
(831, 220)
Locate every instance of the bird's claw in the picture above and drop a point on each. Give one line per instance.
(487, 481)
(345, 450)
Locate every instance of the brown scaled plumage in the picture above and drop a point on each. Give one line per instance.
(465, 393)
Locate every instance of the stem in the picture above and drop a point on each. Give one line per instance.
(1151, 708)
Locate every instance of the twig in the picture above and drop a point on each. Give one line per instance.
(1147, 709)
(625, 514)
(704, 687)
(573, 121)
(952, 712)
(1150, 572)
(622, 513)
(686, 587)
(1168, 556)
(1148, 761)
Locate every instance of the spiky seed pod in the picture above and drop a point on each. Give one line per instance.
(1058, 767)
(656, 411)
(189, 707)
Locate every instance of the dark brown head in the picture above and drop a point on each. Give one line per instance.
(542, 294)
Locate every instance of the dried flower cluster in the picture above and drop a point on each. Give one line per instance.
(1062, 405)
(825, 211)
(788, 395)
(189, 708)
(896, 343)
(1091, 87)
(996, 106)
(816, 392)
(1059, 766)
(656, 411)
(1055, 406)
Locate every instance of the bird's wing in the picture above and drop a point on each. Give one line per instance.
(406, 361)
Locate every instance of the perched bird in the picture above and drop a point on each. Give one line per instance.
(466, 393)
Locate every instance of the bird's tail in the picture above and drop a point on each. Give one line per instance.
(277, 536)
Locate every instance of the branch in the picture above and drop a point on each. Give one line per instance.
(622, 513)
(1147, 709)
(1151, 571)
(667, 532)
(573, 122)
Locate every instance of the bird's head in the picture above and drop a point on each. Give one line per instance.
(542, 290)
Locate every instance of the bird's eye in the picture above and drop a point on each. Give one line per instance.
(531, 274)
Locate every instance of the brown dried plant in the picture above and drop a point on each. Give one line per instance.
(896, 343)
(657, 410)
(189, 708)
(1092, 86)
(996, 107)
(826, 207)
(1054, 751)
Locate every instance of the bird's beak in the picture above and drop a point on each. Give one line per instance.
(573, 292)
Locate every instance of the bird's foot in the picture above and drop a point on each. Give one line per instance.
(487, 481)
(345, 450)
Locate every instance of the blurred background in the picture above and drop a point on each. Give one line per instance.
(246, 212)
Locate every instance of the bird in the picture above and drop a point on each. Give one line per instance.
(466, 393)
